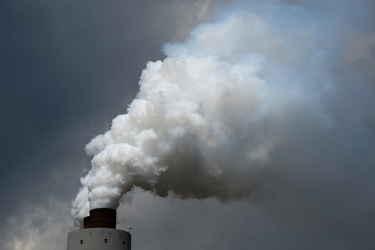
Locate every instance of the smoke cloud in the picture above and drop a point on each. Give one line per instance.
(216, 118)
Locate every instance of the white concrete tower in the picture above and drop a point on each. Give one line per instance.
(100, 233)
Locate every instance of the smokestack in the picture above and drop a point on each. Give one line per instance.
(100, 218)
(99, 233)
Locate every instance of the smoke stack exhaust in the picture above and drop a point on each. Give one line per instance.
(100, 218)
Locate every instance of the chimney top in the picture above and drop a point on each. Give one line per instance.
(100, 218)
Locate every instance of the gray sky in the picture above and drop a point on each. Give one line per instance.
(68, 68)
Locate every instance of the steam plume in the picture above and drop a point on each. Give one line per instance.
(209, 117)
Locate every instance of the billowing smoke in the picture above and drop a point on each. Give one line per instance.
(210, 117)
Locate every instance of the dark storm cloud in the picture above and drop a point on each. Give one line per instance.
(68, 68)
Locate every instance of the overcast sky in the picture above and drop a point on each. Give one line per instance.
(67, 68)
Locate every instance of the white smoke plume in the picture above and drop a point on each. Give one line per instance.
(210, 116)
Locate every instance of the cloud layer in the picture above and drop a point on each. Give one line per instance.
(303, 151)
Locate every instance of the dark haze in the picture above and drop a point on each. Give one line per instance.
(68, 68)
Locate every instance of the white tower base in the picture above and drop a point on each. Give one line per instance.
(99, 239)
(99, 233)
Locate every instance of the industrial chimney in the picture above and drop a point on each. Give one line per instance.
(99, 233)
